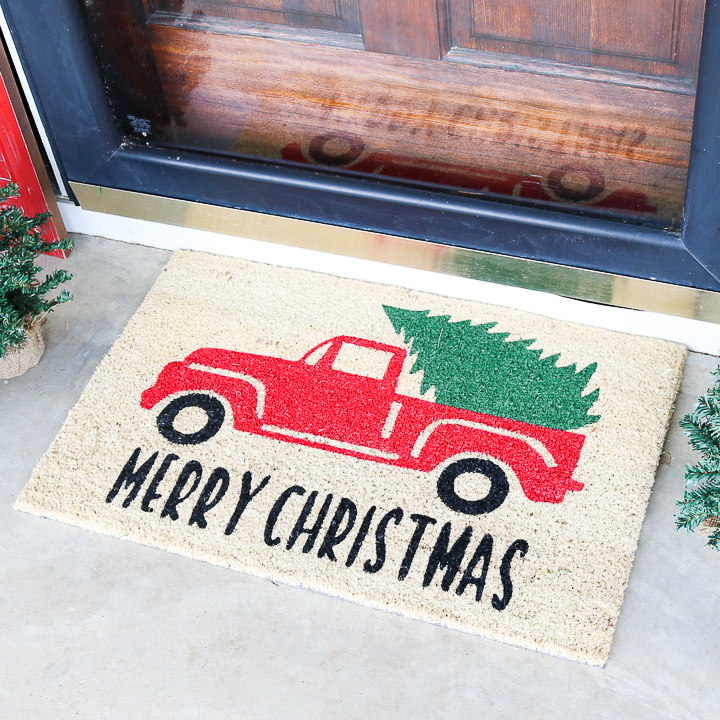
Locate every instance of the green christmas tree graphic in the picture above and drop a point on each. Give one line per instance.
(474, 369)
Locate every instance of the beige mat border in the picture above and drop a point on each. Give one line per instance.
(198, 283)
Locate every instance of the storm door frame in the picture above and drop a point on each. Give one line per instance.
(54, 49)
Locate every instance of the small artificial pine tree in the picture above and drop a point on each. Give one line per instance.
(474, 369)
(22, 302)
(701, 503)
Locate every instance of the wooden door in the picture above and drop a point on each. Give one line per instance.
(587, 103)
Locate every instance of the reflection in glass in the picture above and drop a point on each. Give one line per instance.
(548, 102)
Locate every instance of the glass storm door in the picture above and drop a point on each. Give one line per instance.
(583, 103)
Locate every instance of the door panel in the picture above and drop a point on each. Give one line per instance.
(582, 26)
(398, 101)
(657, 37)
(554, 139)
(339, 16)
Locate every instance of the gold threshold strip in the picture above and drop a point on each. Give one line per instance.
(572, 282)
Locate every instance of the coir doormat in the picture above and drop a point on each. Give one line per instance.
(474, 466)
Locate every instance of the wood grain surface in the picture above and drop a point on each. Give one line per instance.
(654, 37)
(581, 103)
(335, 15)
(413, 28)
(580, 141)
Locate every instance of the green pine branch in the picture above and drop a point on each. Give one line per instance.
(700, 437)
(701, 501)
(22, 294)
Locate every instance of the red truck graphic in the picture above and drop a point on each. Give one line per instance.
(341, 397)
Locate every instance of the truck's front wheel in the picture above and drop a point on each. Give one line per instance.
(213, 409)
(499, 486)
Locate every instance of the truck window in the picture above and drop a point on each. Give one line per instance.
(314, 357)
(364, 361)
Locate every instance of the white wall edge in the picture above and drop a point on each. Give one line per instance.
(697, 335)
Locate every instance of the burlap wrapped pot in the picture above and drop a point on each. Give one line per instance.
(19, 360)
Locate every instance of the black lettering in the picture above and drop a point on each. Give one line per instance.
(396, 515)
(312, 532)
(443, 558)
(176, 497)
(360, 537)
(246, 495)
(150, 494)
(484, 551)
(132, 477)
(422, 522)
(204, 503)
(518, 546)
(276, 510)
(332, 537)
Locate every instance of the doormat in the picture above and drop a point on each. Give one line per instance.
(469, 465)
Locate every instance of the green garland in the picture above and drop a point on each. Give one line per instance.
(22, 296)
(701, 503)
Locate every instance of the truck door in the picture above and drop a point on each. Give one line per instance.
(350, 392)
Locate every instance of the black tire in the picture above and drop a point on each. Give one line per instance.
(499, 486)
(215, 418)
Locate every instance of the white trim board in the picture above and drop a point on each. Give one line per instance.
(697, 335)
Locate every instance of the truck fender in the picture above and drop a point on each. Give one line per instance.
(257, 385)
(532, 442)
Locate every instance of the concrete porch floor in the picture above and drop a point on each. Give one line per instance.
(95, 627)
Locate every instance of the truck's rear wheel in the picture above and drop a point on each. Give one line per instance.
(499, 486)
(213, 409)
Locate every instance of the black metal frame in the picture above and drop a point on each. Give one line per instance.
(55, 51)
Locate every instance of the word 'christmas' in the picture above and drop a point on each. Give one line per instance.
(343, 529)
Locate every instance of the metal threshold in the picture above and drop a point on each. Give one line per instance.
(573, 282)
